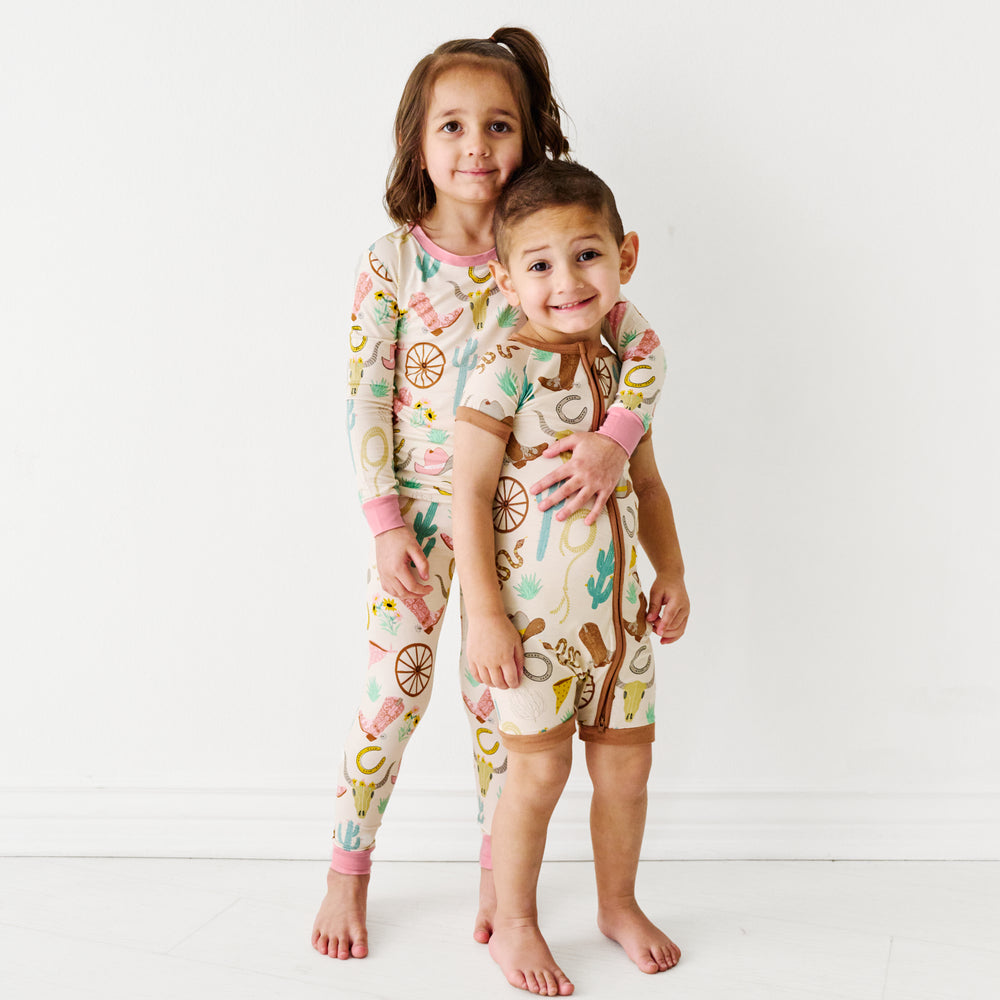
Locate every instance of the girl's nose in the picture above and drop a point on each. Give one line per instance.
(477, 144)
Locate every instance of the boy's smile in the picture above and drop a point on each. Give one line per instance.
(564, 270)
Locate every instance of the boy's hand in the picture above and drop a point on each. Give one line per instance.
(590, 476)
(399, 559)
(493, 647)
(669, 607)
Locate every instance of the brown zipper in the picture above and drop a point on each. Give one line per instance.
(614, 516)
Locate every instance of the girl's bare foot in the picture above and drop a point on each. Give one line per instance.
(518, 947)
(647, 946)
(487, 907)
(340, 930)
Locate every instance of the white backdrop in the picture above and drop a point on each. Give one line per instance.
(185, 190)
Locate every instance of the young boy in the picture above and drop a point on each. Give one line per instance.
(557, 623)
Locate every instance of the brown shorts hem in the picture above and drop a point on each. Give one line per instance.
(619, 737)
(533, 742)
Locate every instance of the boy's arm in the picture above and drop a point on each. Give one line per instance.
(375, 320)
(598, 459)
(669, 605)
(493, 644)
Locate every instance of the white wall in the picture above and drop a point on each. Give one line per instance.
(185, 190)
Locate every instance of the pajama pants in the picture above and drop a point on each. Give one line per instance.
(402, 646)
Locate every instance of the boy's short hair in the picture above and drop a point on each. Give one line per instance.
(552, 184)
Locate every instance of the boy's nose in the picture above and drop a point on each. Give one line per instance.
(570, 279)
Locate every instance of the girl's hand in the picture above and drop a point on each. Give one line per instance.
(397, 556)
(590, 476)
(669, 607)
(494, 651)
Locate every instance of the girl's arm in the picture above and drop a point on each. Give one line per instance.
(375, 322)
(493, 644)
(598, 459)
(669, 605)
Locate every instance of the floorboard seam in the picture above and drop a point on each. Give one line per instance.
(888, 962)
(187, 937)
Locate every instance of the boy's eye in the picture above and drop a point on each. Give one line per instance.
(588, 255)
(538, 266)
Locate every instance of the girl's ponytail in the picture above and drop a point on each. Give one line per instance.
(534, 65)
(519, 56)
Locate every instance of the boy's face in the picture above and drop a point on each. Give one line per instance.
(564, 270)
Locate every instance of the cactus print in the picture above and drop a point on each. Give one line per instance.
(579, 608)
(419, 315)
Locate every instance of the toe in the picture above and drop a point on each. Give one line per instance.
(518, 980)
(360, 948)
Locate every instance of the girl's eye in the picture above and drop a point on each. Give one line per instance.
(450, 127)
(500, 127)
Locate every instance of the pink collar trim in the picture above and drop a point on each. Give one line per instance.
(439, 253)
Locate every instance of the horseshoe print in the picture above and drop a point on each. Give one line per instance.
(644, 656)
(537, 677)
(629, 375)
(563, 417)
(479, 739)
(361, 753)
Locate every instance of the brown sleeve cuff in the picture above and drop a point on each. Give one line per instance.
(498, 428)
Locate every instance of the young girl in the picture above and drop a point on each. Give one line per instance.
(471, 114)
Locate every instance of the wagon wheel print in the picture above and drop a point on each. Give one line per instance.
(424, 365)
(586, 693)
(603, 373)
(413, 668)
(510, 505)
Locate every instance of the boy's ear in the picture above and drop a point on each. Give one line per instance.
(502, 277)
(629, 257)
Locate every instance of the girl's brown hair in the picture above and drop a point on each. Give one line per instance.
(518, 56)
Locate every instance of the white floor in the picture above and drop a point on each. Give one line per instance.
(75, 928)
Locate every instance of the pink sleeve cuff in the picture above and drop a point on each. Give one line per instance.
(623, 427)
(351, 862)
(382, 513)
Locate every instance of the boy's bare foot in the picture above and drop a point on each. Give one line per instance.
(647, 946)
(487, 907)
(340, 930)
(524, 958)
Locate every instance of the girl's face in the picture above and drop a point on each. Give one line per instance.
(472, 136)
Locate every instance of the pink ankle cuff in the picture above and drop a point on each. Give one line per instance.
(351, 862)
(486, 853)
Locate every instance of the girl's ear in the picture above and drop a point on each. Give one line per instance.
(629, 257)
(502, 277)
